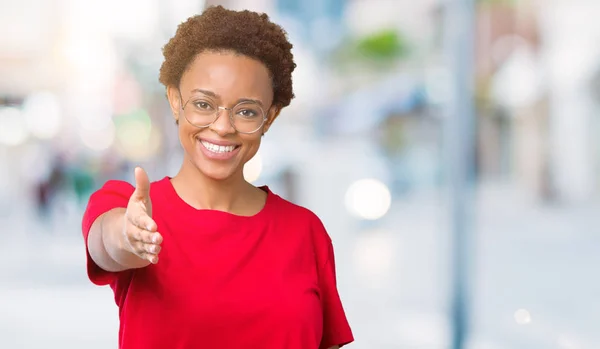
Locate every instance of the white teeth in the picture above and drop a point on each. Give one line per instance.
(217, 148)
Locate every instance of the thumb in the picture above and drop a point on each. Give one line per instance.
(142, 184)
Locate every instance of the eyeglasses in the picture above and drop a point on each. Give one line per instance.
(246, 117)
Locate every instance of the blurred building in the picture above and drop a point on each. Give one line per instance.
(537, 114)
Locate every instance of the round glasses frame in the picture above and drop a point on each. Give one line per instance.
(218, 114)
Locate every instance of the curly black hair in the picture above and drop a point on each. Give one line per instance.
(243, 32)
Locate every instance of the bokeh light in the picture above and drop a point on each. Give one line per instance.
(42, 114)
(522, 317)
(99, 139)
(13, 130)
(368, 199)
(136, 138)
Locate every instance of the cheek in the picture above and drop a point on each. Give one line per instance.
(252, 144)
(182, 135)
(186, 138)
(185, 131)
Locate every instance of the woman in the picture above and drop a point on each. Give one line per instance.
(205, 259)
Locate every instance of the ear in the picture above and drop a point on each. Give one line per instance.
(273, 114)
(174, 98)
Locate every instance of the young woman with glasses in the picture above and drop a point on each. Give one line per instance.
(205, 259)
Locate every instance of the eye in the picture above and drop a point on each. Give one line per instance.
(247, 113)
(202, 105)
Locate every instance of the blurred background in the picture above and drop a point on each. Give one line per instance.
(436, 193)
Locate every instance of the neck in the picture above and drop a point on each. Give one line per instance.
(203, 192)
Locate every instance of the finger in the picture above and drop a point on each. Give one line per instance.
(135, 234)
(152, 249)
(156, 238)
(143, 251)
(143, 221)
(149, 237)
(152, 258)
(142, 184)
(138, 248)
(132, 234)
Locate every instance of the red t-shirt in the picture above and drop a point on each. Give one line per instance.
(225, 281)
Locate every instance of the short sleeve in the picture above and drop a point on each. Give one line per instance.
(336, 329)
(113, 194)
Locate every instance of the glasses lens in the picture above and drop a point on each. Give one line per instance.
(200, 111)
(248, 117)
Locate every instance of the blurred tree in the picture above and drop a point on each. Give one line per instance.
(381, 50)
(383, 45)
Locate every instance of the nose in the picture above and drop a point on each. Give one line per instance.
(222, 125)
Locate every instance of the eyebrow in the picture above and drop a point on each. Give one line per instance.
(216, 96)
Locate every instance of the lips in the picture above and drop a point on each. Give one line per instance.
(218, 150)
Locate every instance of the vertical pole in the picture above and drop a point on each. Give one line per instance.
(459, 48)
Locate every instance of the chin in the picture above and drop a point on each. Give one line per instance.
(216, 174)
(216, 170)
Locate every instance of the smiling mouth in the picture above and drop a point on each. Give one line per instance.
(218, 149)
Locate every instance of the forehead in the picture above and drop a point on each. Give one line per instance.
(229, 75)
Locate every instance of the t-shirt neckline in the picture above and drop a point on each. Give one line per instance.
(175, 201)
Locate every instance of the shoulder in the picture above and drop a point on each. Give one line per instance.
(121, 186)
(301, 221)
(116, 186)
(297, 216)
(116, 189)
(112, 190)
